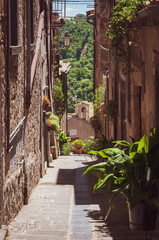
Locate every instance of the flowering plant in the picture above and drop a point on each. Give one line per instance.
(46, 102)
(52, 123)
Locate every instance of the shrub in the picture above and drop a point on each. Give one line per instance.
(66, 148)
(78, 143)
(88, 145)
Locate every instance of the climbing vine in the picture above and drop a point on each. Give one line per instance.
(58, 98)
(119, 30)
(98, 98)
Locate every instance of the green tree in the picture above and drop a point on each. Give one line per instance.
(80, 54)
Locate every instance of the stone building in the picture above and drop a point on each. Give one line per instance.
(136, 92)
(25, 77)
(79, 126)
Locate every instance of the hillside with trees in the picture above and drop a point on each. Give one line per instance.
(80, 54)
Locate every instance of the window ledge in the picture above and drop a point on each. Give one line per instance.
(15, 50)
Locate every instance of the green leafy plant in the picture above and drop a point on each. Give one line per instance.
(58, 98)
(132, 171)
(52, 123)
(101, 143)
(88, 145)
(119, 31)
(63, 138)
(98, 98)
(66, 148)
(46, 103)
(78, 143)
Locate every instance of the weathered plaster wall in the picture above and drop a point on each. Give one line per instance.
(144, 78)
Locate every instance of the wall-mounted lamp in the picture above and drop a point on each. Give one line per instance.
(67, 40)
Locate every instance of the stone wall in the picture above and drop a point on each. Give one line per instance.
(21, 165)
(143, 99)
(137, 101)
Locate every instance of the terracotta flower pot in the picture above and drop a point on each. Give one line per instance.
(78, 151)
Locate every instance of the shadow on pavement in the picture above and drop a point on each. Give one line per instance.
(116, 226)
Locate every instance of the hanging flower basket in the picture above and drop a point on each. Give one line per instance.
(52, 123)
(46, 104)
(51, 128)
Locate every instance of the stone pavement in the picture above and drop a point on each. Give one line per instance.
(64, 207)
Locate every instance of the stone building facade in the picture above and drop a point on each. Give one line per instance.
(135, 93)
(24, 79)
(79, 126)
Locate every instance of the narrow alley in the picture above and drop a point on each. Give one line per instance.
(62, 206)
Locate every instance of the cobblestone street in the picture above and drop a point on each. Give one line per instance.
(63, 207)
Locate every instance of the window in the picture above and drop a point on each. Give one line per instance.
(14, 22)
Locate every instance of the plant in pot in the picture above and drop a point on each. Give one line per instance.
(46, 104)
(52, 123)
(133, 172)
(78, 145)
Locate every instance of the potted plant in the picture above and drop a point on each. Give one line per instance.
(46, 103)
(133, 172)
(52, 123)
(78, 144)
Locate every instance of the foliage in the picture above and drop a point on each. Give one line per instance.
(46, 100)
(66, 148)
(95, 123)
(78, 143)
(111, 110)
(52, 123)
(58, 98)
(102, 143)
(46, 103)
(63, 138)
(119, 31)
(88, 145)
(80, 54)
(131, 171)
(98, 98)
(97, 144)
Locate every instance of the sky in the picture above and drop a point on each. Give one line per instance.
(73, 7)
(73, 10)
